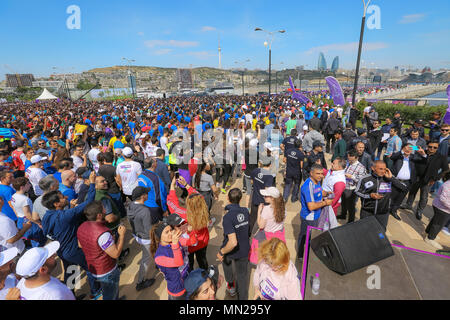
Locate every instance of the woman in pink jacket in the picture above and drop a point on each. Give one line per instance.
(276, 277)
(441, 207)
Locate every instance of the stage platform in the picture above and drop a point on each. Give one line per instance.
(407, 275)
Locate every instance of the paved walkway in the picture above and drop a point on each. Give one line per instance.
(407, 232)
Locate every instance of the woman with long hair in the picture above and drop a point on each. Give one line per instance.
(275, 277)
(197, 216)
(204, 183)
(170, 255)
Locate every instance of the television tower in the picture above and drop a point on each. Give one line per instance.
(220, 55)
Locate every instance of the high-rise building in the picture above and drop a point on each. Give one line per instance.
(322, 64)
(335, 65)
(184, 79)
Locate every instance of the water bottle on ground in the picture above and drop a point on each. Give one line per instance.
(316, 285)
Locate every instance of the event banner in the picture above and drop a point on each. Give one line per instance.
(300, 97)
(335, 91)
(447, 115)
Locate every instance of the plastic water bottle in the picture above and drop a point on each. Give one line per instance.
(316, 285)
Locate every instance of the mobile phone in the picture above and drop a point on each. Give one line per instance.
(177, 175)
(415, 148)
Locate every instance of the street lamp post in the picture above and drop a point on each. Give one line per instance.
(242, 74)
(129, 61)
(361, 37)
(271, 34)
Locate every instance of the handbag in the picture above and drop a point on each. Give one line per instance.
(327, 219)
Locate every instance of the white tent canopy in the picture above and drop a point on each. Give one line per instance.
(46, 95)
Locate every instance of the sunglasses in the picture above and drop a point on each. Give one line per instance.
(445, 130)
(430, 147)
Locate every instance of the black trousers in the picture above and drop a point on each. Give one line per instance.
(328, 138)
(241, 275)
(253, 218)
(201, 259)
(353, 123)
(349, 204)
(439, 220)
(424, 190)
(397, 197)
(383, 219)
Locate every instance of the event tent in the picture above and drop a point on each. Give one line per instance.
(46, 95)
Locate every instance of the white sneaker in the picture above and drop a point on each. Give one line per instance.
(445, 231)
(433, 243)
(211, 222)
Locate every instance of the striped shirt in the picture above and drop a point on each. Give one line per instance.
(357, 170)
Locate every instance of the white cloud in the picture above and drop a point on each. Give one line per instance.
(348, 47)
(412, 18)
(170, 43)
(140, 33)
(163, 51)
(208, 28)
(202, 54)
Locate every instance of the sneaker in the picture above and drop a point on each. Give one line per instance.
(144, 284)
(406, 207)
(96, 297)
(231, 289)
(211, 222)
(244, 190)
(223, 190)
(228, 184)
(433, 243)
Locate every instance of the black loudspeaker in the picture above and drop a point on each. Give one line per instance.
(352, 246)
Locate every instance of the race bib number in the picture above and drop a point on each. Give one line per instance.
(385, 187)
(268, 289)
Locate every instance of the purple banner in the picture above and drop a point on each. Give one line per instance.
(335, 91)
(300, 97)
(447, 115)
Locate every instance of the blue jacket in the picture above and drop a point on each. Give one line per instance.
(157, 196)
(62, 225)
(162, 171)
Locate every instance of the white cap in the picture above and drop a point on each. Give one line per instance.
(32, 260)
(305, 127)
(253, 143)
(270, 192)
(127, 152)
(7, 255)
(36, 158)
(268, 146)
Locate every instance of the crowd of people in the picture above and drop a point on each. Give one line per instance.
(73, 173)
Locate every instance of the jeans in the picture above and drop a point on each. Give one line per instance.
(241, 276)
(397, 197)
(145, 262)
(201, 259)
(248, 184)
(302, 236)
(424, 190)
(287, 187)
(110, 285)
(439, 220)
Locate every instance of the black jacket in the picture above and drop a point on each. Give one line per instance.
(414, 159)
(348, 136)
(316, 124)
(354, 113)
(371, 184)
(428, 171)
(332, 126)
(374, 139)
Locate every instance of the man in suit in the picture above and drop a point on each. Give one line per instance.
(427, 174)
(404, 169)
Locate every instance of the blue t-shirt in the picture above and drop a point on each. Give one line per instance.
(6, 193)
(310, 192)
(69, 192)
(57, 176)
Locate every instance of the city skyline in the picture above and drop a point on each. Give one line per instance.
(183, 35)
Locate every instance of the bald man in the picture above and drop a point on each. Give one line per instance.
(68, 178)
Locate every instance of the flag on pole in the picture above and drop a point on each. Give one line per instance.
(335, 91)
(300, 97)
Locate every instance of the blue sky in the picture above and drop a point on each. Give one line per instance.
(34, 36)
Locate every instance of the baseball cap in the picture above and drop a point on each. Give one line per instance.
(172, 220)
(195, 279)
(317, 144)
(138, 192)
(270, 192)
(305, 127)
(7, 255)
(32, 260)
(127, 152)
(36, 158)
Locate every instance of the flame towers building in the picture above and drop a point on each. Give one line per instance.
(322, 63)
(335, 65)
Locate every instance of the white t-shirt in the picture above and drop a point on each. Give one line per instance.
(19, 201)
(35, 175)
(92, 155)
(267, 214)
(163, 142)
(129, 172)
(52, 290)
(150, 150)
(8, 230)
(10, 282)
(367, 109)
(77, 162)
